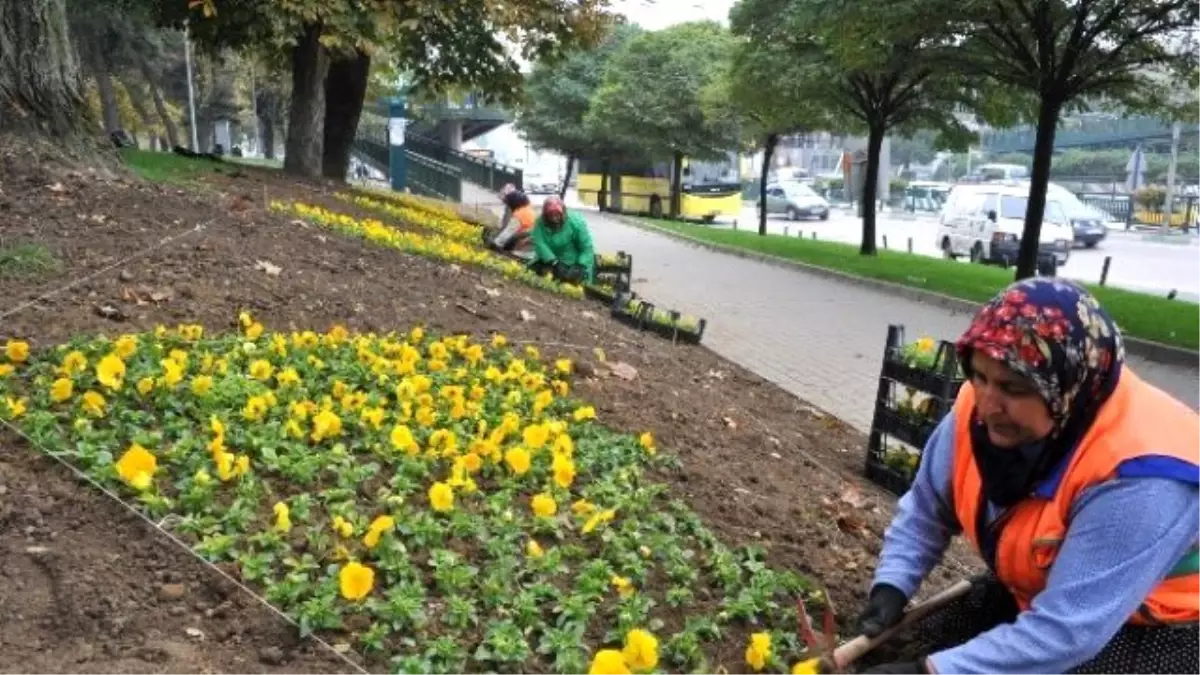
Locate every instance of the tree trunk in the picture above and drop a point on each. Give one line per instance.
(268, 138)
(138, 102)
(40, 90)
(306, 115)
(768, 153)
(871, 188)
(677, 184)
(1043, 155)
(108, 96)
(562, 189)
(160, 106)
(602, 198)
(345, 91)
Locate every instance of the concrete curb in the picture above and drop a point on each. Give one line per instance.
(1147, 349)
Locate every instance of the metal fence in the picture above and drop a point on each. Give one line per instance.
(430, 178)
(485, 172)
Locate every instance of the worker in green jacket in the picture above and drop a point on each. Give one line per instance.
(562, 244)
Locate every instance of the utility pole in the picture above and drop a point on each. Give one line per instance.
(187, 60)
(1169, 203)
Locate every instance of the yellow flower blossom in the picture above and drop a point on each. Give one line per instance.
(584, 413)
(61, 390)
(647, 442)
(498, 341)
(758, 652)
(535, 436)
(402, 439)
(145, 385)
(287, 376)
(534, 549)
(256, 408)
(94, 404)
(355, 581)
(201, 385)
(74, 362)
(564, 471)
(16, 407)
(517, 460)
(441, 497)
(261, 370)
(623, 585)
(641, 650)
(111, 372)
(137, 466)
(377, 529)
(608, 662)
(563, 366)
(283, 520)
(254, 330)
(326, 424)
(543, 505)
(16, 351)
(342, 526)
(172, 372)
(598, 519)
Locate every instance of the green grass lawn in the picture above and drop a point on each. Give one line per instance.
(166, 167)
(1173, 322)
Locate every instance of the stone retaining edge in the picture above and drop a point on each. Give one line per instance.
(1147, 349)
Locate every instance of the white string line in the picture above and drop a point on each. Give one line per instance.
(180, 542)
(140, 254)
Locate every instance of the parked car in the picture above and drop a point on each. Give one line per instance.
(541, 184)
(985, 222)
(796, 201)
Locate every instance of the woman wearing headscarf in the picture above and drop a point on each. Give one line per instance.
(515, 225)
(562, 245)
(1077, 484)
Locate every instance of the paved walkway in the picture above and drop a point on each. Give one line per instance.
(817, 338)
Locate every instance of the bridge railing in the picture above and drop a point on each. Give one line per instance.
(426, 176)
(485, 172)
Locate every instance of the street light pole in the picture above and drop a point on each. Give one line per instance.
(1169, 203)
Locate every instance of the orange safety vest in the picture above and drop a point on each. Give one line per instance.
(1138, 421)
(526, 216)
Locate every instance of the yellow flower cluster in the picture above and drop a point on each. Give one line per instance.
(432, 246)
(448, 225)
(411, 201)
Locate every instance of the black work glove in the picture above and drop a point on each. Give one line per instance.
(900, 668)
(884, 608)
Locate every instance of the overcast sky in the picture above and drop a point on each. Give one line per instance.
(656, 14)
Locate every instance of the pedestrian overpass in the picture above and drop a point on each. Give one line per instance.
(1092, 133)
(434, 163)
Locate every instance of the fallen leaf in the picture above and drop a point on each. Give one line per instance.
(194, 633)
(492, 292)
(729, 422)
(716, 374)
(160, 296)
(129, 296)
(850, 523)
(527, 315)
(599, 353)
(110, 312)
(623, 370)
(57, 187)
(341, 647)
(852, 497)
(589, 315)
(270, 269)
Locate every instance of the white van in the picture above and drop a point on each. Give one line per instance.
(985, 223)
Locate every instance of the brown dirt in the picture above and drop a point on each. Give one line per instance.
(758, 465)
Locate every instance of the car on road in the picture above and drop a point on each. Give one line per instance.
(1089, 223)
(985, 222)
(796, 201)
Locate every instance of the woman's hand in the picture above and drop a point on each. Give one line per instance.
(884, 609)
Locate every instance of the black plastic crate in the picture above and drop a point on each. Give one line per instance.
(940, 384)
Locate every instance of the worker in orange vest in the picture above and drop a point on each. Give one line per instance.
(1077, 484)
(516, 225)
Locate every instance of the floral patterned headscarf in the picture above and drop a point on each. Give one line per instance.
(1055, 334)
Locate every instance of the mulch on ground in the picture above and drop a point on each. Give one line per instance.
(758, 465)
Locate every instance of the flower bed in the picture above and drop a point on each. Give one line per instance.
(436, 504)
(930, 375)
(433, 246)
(440, 220)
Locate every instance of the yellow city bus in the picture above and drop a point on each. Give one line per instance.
(710, 189)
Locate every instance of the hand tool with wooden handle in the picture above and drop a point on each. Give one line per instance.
(843, 656)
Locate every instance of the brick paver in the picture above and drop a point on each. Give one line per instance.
(819, 339)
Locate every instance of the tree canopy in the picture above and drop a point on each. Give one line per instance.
(652, 95)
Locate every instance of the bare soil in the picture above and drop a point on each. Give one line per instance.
(758, 465)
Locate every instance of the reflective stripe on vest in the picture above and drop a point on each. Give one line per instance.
(1138, 422)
